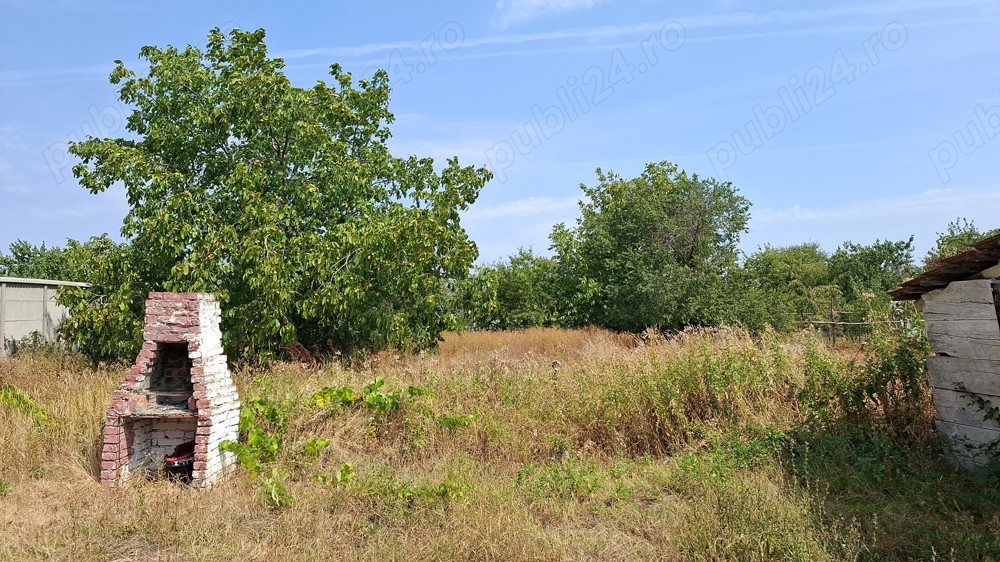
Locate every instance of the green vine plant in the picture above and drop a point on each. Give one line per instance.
(24, 403)
(371, 397)
(991, 413)
(264, 427)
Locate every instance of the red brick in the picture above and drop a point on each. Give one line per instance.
(109, 465)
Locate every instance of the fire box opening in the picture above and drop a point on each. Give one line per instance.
(170, 381)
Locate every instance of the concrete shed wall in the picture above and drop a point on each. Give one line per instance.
(28, 305)
(964, 372)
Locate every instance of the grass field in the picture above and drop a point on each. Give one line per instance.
(536, 445)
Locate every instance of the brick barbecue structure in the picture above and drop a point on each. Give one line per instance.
(178, 391)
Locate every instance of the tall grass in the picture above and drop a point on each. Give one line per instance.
(536, 445)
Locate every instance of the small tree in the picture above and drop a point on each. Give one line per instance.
(39, 262)
(960, 235)
(285, 202)
(515, 293)
(793, 282)
(652, 251)
(866, 274)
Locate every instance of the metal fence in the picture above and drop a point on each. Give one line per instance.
(847, 325)
(28, 305)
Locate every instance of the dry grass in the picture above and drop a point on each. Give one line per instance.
(585, 445)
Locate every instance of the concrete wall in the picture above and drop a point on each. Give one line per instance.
(28, 305)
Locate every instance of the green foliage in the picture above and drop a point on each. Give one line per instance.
(314, 446)
(33, 343)
(285, 202)
(22, 402)
(396, 497)
(274, 489)
(892, 387)
(788, 284)
(516, 293)
(651, 251)
(455, 422)
(990, 413)
(960, 235)
(865, 274)
(265, 422)
(106, 320)
(345, 473)
(262, 431)
(38, 262)
(371, 397)
(568, 479)
(728, 453)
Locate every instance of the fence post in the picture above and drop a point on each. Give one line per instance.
(45, 308)
(3, 316)
(833, 323)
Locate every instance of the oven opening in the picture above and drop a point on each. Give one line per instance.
(170, 382)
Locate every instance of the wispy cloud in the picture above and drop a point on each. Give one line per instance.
(522, 10)
(920, 214)
(934, 201)
(597, 34)
(510, 12)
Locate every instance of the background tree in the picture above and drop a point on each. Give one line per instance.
(285, 202)
(960, 235)
(105, 320)
(866, 274)
(651, 251)
(38, 262)
(514, 293)
(792, 282)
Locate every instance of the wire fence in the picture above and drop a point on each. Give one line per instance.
(846, 325)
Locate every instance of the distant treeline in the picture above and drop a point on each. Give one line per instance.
(650, 258)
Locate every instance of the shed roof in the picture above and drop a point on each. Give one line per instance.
(49, 282)
(965, 265)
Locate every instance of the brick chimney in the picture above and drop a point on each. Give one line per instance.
(179, 390)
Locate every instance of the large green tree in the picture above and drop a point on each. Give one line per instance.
(283, 201)
(652, 251)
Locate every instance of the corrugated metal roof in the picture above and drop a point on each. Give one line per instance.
(965, 265)
(27, 281)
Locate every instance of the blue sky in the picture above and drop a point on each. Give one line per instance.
(839, 121)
